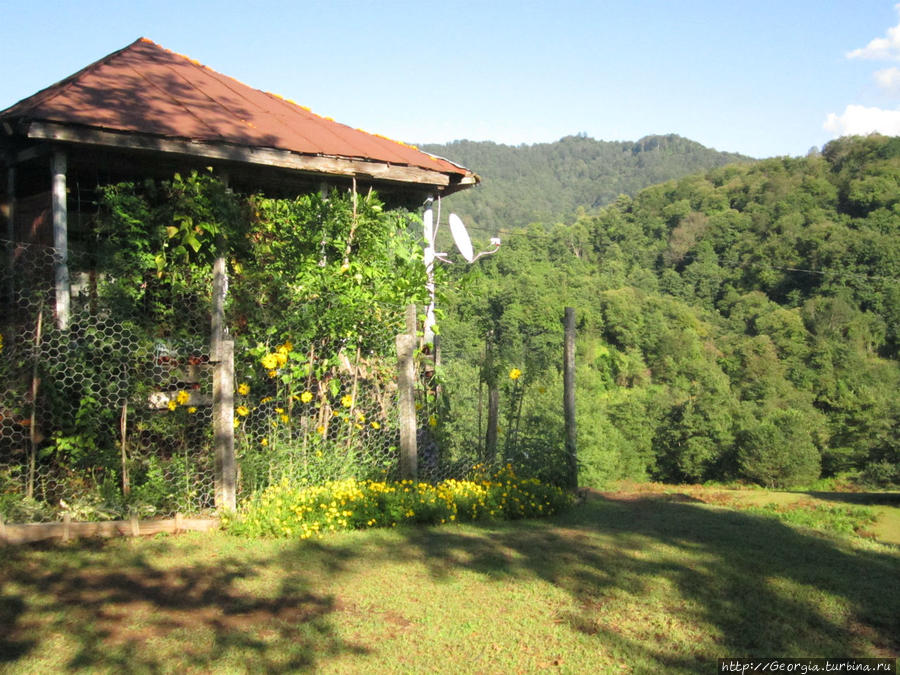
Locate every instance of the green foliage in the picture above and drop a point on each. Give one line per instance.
(546, 182)
(778, 451)
(827, 518)
(739, 324)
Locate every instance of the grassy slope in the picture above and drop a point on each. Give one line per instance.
(638, 581)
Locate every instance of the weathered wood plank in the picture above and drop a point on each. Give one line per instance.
(318, 164)
(33, 532)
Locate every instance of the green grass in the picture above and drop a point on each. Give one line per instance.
(640, 582)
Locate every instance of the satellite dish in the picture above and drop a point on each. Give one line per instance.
(461, 238)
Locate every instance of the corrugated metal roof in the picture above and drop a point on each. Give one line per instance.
(147, 89)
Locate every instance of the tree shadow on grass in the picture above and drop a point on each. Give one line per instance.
(111, 605)
(859, 498)
(656, 583)
(754, 586)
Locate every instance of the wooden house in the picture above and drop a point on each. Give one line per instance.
(146, 112)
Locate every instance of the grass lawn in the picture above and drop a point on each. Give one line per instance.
(647, 580)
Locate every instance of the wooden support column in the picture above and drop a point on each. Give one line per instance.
(569, 396)
(222, 357)
(9, 209)
(60, 238)
(9, 213)
(223, 427)
(406, 383)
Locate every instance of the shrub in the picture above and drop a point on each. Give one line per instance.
(779, 451)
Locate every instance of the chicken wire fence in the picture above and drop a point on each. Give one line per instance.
(343, 423)
(101, 418)
(111, 415)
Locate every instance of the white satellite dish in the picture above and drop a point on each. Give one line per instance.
(461, 238)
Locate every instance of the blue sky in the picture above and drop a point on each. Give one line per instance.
(764, 78)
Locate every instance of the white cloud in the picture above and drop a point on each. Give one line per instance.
(859, 120)
(881, 49)
(889, 80)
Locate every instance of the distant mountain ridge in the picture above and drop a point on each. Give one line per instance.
(549, 182)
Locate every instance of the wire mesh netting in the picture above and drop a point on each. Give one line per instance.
(111, 415)
(301, 420)
(102, 417)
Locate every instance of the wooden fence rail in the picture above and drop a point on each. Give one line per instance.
(68, 530)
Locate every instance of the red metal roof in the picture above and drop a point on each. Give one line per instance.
(147, 89)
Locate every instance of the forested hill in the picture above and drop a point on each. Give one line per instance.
(742, 323)
(548, 182)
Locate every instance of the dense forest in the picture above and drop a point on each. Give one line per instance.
(547, 182)
(737, 324)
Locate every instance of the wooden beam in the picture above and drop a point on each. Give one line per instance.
(314, 164)
(33, 532)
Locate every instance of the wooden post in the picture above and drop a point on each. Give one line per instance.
(569, 396)
(9, 212)
(35, 388)
(223, 426)
(60, 239)
(493, 419)
(493, 411)
(406, 378)
(222, 357)
(411, 319)
(217, 322)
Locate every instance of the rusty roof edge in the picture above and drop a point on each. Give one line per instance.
(28, 123)
(88, 135)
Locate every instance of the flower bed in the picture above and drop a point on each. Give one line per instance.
(286, 510)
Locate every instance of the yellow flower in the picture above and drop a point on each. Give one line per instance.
(320, 430)
(171, 405)
(269, 361)
(515, 374)
(237, 423)
(281, 358)
(347, 400)
(360, 417)
(279, 410)
(285, 418)
(182, 397)
(306, 396)
(243, 389)
(264, 442)
(242, 410)
(192, 409)
(285, 348)
(273, 373)
(376, 425)
(432, 421)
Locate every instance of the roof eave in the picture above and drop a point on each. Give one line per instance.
(445, 183)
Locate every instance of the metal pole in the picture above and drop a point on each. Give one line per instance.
(60, 239)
